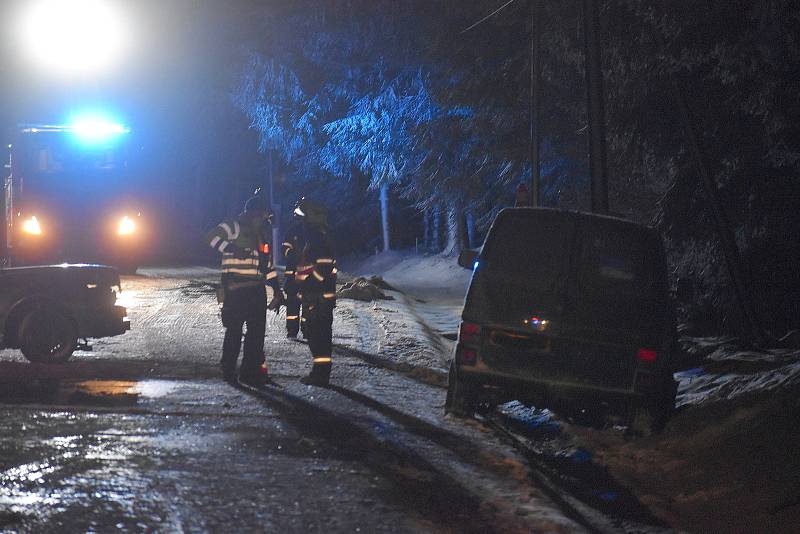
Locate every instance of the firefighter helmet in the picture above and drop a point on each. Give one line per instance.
(311, 213)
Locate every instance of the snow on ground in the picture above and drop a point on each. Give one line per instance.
(727, 460)
(432, 289)
(729, 370)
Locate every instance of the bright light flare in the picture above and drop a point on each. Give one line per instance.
(31, 226)
(72, 36)
(95, 129)
(126, 226)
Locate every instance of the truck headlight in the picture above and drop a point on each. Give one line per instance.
(31, 226)
(126, 226)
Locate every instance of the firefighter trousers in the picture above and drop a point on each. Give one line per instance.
(319, 332)
(292, 313)
(246, 304)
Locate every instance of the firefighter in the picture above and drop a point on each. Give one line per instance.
(244, 242)
(315, 276)
(292, 248)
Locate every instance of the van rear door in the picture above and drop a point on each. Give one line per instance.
(617, 293)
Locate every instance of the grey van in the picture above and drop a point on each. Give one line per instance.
(567, 309)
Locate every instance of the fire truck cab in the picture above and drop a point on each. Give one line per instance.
(70, 197)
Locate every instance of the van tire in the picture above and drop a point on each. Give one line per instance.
(47, 335)
(652, 417)
(461, 396)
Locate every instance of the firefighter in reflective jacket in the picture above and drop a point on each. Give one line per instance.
(246, 265)
(292, 248)
(315, 276)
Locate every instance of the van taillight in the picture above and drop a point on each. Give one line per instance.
(470, 333)
(647, 355)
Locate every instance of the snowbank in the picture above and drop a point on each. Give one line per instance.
(432, 287)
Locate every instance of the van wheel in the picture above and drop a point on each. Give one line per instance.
(652, 417)
(461, 396)
(48, 336)
(640, 422)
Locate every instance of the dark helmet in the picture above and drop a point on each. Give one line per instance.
(311, 213)
(257, 205)
(299, 212)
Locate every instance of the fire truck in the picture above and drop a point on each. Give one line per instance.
(70, 197)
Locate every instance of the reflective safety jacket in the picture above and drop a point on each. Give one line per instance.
(246, 251)
(292, 247)
(316, 269)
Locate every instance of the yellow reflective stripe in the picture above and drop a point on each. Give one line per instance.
(287, 244)
(301, 277)
(292, 317)
(329, 295)
(271, 275)
(289, 273)
(318, 276)
(334, 270)
(234, 270)
(253, 256)
(324, 260)
(323, 359)
(247, 262)
(227, 229)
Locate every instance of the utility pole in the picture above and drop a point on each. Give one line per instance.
(595, 110)
(269, 178)
(534, 102)
(276, 212)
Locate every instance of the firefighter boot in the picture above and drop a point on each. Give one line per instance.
(256, 379)
(320, 373)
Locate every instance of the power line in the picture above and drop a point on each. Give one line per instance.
(490, 15)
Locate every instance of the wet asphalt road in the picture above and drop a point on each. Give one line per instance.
(141, 435)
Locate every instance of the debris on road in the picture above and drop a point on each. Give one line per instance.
(365, 289)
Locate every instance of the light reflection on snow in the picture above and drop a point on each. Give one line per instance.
(155, 388)
(128, 298)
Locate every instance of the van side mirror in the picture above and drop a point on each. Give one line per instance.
(684, 290)
(467, 258)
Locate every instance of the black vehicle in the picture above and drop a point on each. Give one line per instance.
(45, 310)
(567, 310)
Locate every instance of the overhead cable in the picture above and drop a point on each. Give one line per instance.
(490, 15)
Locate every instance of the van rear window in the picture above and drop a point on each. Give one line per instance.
(620, 264)
(531, 249)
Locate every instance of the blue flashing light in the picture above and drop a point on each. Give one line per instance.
(475, 265)
(94, 129)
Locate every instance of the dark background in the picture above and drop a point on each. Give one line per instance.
(452, 85)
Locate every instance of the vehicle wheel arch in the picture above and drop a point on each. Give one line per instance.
(20, 309)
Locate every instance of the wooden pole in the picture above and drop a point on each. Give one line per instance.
(595, 108)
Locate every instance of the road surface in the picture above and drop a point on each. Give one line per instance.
(142, 435)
